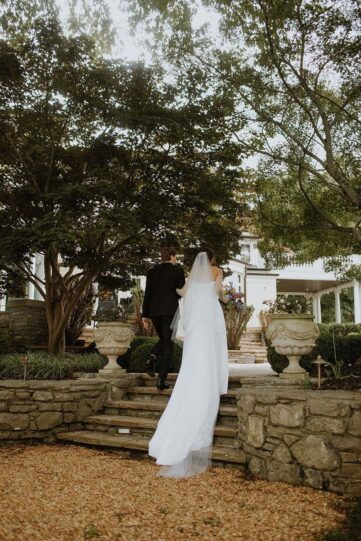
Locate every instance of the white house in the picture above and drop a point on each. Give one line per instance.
(310, 280)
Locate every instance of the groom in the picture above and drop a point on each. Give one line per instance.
(160, 305)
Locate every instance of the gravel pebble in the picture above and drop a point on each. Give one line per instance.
(70, 493)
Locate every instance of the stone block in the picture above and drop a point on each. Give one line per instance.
(354, 426)
(4, 435)
(282, 454)
(349, 457)
(67, 396)
(247, 403)
(290, 415)
(22, 408)
(313, 478)
(84, 410)
(257, 467)
(24, 395)
(351, 470)
(13, 421)
(314, 452)
(6, 394)
(261, 409)
(347, 443)
(3, 406)
(333, 425)
(51, 406)
(69, 417)
(42, 396)
(48, 419)
(96, 403)
(255, 431)
(345, 486)
(330, 408)
(289, 439)
(286, 473)
(72, 406)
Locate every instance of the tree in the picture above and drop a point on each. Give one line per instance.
(100, 163)
(292, 70)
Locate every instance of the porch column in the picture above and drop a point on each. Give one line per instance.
(357, 301)
(31, 287)
(337, 306)
(317, 307)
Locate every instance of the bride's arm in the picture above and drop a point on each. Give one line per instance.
(219, 286)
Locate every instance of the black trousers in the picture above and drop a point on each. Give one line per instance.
(164, 348)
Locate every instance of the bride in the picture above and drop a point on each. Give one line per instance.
(182, 443)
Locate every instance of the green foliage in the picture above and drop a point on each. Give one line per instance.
(140, 351)
(289, 72)
(289, 304)
(347, 346)
(340, 329)
(103, 162)
(45, 366)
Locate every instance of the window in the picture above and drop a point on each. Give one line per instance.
(246, 252)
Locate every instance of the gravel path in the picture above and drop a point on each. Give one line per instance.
(69, 493)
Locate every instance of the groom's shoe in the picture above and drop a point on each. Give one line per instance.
(150, 365)
(162, 385)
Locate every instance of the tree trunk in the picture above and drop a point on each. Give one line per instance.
(59, 301)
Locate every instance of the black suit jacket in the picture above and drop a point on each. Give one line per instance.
(160, 297)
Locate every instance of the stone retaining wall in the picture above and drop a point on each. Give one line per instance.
(39, 409)
(26, 320)
(302, 436)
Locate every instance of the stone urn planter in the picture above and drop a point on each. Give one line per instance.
(293, 335)
(113, 339)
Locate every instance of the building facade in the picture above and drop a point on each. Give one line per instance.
(248, 275)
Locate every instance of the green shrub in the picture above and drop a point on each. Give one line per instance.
(46, 366)
(137, 341)
(348, 349)
(280, 362)
(140, 354)
(341, 329)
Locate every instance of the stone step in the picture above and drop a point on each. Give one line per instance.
(145, 407)
(103, 439)
(152, 393)
(125, 421)
(149, 381)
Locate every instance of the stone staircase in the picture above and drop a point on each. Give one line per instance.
(251, 349)
(128, 424)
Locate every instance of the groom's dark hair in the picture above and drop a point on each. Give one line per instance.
(167, 252)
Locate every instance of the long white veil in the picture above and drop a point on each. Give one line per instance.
(197, 389)
(200, 273)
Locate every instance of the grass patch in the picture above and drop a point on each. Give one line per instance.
(46, 366)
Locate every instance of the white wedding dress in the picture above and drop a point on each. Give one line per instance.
(182, 443)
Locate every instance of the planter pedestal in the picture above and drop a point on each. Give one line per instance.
(293, 335)
(113, 339)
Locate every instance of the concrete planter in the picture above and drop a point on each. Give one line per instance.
(113, 339)
(293, 335)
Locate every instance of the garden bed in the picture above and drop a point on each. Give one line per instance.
(349, 381)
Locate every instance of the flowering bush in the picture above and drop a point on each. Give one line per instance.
(233, 299)
(289, 304)
(236, 315)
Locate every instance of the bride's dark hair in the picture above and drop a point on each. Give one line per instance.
(209, 252)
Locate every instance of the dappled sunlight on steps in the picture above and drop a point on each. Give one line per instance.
(128, 424)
